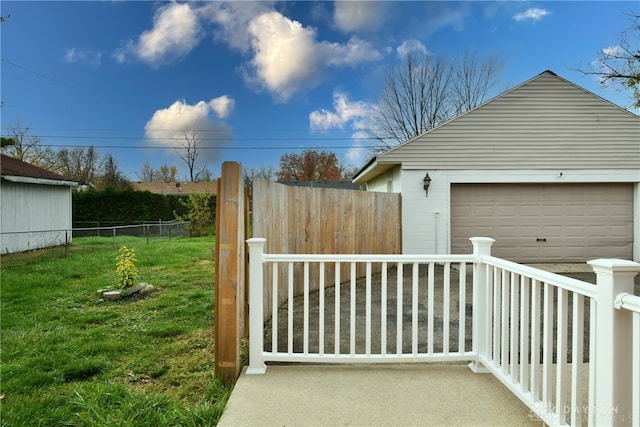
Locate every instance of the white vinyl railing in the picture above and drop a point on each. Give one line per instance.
(570, 350)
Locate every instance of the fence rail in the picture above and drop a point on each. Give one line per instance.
(535, 331)
(26, 247)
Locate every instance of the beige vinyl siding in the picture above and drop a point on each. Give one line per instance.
(546, 123)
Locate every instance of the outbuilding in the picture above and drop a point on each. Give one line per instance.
(548, 169)
(35, 207)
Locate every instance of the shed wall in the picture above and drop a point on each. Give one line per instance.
(33, 216)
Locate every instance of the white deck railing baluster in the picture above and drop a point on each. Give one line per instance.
(462, 307)
(321, 310)
(547, 347)
(352, 311)
(414, 309)
(535, 340)
(399, 309)
(290, 309)
(577, 359)
(504, 322)
(368, 311)
(430, 307)
(336, 311)
(513, 327)
(383, 311)
(561, 355)
(305, 327)
(445, 307)
(274, 309)
(525, 313)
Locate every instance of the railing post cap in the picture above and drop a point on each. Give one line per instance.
(487, 240)
(254, 241)
(614, 265)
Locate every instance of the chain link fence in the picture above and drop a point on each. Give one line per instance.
(20, 248)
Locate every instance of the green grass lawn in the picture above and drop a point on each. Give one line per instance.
(70, 358)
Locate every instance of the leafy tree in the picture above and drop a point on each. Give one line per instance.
(6, 141)
(310, 165)
(167, 173)
(621, 63)
(424, 91)
(199, 214)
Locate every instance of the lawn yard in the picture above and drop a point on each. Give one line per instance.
(70, 358)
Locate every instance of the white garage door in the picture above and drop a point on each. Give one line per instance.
(545, 222)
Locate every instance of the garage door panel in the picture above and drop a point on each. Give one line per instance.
(578, 221)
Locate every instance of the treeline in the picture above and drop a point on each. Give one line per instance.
(128, 206)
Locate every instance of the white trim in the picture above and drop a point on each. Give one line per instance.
(43, 181)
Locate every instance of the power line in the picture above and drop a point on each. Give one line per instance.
(145, 138)
(177, 147)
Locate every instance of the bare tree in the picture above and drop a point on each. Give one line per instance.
(263, 172)
(472, 81)
(413, 98)
(80, 164)
(147, 173)
(621, 63)
(25, 147)
(189, 153)
(111, 175)
(424, 91)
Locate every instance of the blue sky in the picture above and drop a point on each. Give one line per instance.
(258, 80)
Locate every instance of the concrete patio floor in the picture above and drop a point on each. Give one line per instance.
(373, 395)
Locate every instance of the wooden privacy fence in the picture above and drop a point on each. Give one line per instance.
(304, 220)
(297, 220)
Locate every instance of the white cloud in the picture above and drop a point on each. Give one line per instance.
(76, 55)
(287, 58)
(411, 46)
(222, 106)
(533, 14)
(176, 31)
(356, 115)
(232, 19)
(613, 51)
(350, 16)
(169, 126)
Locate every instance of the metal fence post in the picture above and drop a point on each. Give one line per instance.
(256, 321)
(612, 403)
(481, 246)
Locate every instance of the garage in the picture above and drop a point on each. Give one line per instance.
(545, 222)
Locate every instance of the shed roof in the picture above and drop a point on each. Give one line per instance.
(16, 170)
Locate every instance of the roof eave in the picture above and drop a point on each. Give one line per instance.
(41, 181)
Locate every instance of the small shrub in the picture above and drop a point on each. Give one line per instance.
(126, 269)
(199, 214)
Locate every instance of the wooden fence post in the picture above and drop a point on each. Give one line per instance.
(230, 274)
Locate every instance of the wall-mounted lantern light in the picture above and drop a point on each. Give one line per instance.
(426, 181)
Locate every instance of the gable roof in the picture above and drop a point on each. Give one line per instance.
(546, 122)
(16, 170)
